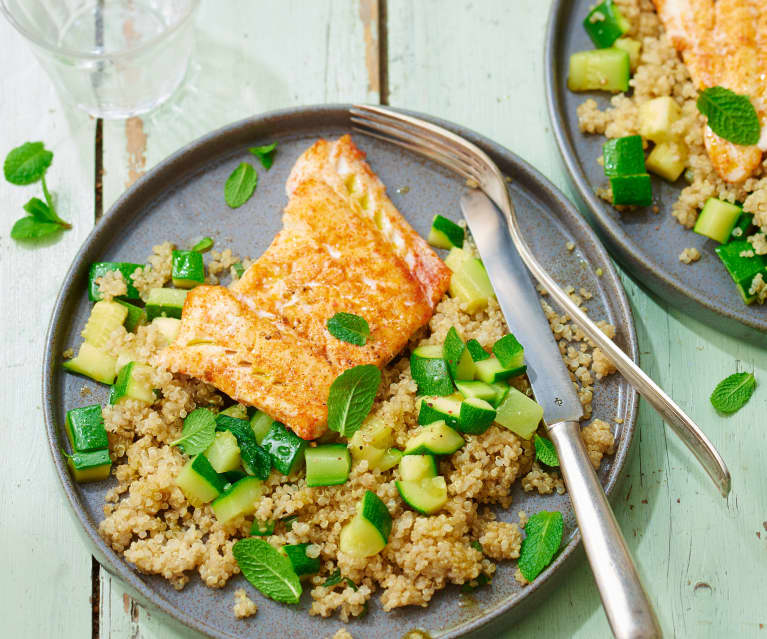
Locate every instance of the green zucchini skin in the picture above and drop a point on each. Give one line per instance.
(301, 562)
(285, 448)
(255, 459)
(85, 428)
(99, 269)
(187, 269)
(327, 465)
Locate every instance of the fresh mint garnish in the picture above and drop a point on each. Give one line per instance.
(543, 537)
(262, 528)
(545, 452)
(349, 327)
(336, 578)
(267, 570)
(205, 244)
(27, 164)
(351, 398)
(733, 392)
(265, 154)
(240, 185)
(730, 116)
(198, 433)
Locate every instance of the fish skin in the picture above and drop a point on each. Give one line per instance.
(723, 43)
(264, 341)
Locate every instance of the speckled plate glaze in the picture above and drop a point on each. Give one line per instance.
(182, 199)
(647, 244)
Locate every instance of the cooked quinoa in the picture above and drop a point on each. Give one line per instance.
(112, 284)
(690, 255)
(661, 72)
(149, 521)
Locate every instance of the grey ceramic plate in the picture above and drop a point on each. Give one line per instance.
(647, 244)
(182, 199)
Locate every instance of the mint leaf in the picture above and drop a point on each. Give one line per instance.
(27, 163)
(351, 398)
(40, 211)
(240, 185)
(239, 269)
(336, 578)
(545, 452)
(267, 570)
(29, 228)
(349, 327)
(205, 244)
(265, 154)
(733, 392)
(543, 537)
(730, 116)
(198, 433)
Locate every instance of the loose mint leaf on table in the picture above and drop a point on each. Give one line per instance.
(351, 398)
(349, 327)
(545, 452)
(27, 163)
(29, 228)
(198, 433)
(733, 392)
(730, 116)
(267, 570)
(544, 536)
(265, 154)
(240, 185)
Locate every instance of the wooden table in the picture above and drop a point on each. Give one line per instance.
(477, 63)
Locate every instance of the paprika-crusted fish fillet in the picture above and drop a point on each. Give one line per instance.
(724, 43)
(344, 247)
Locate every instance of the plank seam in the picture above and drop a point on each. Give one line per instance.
(383, 53)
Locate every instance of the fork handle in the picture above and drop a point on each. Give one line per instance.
(625, 601)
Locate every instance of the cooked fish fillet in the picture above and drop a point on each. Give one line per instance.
(724, 43)
(343, 247)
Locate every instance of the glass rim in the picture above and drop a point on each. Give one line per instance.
(44, 44)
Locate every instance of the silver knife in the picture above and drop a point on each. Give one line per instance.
(625, 600)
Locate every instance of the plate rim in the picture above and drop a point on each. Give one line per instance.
(129, 576)
(643, 270)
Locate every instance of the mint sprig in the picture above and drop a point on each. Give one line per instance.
(730, 116)
(545, 452)
(349, 327)
(265, 154)
(27, 164)
(351, 398)
(198, 433)
(240, 185)
(733, 392)
(267, 570)
(543, 537)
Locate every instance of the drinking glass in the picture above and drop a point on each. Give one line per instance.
(111, 58)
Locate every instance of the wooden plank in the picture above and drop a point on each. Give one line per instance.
(46, 568)
(249, 59)
(481, 66)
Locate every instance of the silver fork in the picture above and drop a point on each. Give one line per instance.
(472, 163)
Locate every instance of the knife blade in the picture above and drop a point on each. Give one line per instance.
(521, 307)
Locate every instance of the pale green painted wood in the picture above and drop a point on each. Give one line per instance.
(480, 64)
(252, 58)
(46, 570)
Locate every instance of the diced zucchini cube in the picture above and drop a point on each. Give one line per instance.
(134, 381)
(445, 233)
(457, 356)
(471, 285)
(717, 219)
(632, 47)
(165, 302)
(668, 159)
(478, 353)
(656, 118)
(605, 24)
(368, 531)
(105, 318)
(632, 189)
(85, 428)
(599, 70)
(327, 465)
(417, 467)
(519, 413)
(241, 498)
(623, 156)
(136, 316)
(260, 424)
(742, 269)
(510, 353)
(90, 466)
(456, 258)
(425, 496)
(476, 416)
(93, 363)
(188, 269)
(301, 562)
(99, 269)
(224, 453)
(168, 326)
(199, 481)
(284, 447)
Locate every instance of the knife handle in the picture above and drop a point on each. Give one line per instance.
(625, 601)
